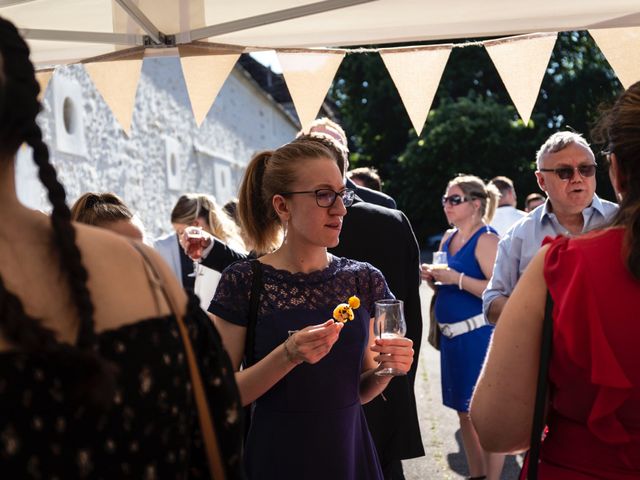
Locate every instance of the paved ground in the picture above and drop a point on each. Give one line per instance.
(444, 457)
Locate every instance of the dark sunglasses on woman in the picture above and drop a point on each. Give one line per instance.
(566, 173)
(454, 200)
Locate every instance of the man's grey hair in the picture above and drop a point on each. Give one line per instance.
(559, 141)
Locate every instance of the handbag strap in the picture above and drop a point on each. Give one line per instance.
(212, 449)
(541, 391)
(254, 303)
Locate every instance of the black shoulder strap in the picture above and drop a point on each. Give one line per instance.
(541, 391)
(254, 303)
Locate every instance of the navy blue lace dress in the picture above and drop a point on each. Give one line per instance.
(310, 424)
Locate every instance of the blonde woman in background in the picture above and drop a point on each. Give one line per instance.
(202, 210)
(471, 247)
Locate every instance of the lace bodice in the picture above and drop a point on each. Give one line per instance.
(283, 290)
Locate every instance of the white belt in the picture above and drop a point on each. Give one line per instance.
(451, 330)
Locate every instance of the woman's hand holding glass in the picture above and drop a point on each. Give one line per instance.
(395, 353)
(447, 276)
(194, 240)
(312, 343)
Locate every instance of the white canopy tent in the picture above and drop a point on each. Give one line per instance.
(112, 37)
(63, 31)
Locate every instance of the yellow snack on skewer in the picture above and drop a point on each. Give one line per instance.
(344, 311)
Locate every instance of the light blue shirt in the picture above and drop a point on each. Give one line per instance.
(523, 240)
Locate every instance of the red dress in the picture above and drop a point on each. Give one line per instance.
(594, 412)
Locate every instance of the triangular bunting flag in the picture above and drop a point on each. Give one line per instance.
(43, 77)
(416, 75)
(117, 82)
(204, 74)
(621, 46)
(308, 76)
(522, 63)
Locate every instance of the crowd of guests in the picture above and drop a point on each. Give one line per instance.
(215, 353)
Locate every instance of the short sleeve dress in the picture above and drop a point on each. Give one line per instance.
(461, 357)
(310, 424)
(594, 409)
(151, 430)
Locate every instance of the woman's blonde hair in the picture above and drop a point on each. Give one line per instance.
(473, 187)
(192, 206)
(270, 173)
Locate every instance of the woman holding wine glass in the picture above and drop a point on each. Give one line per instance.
(471, 247)
(310, 374)
(193, 216)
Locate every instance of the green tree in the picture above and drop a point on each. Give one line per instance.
(455, 139)
(473, 135)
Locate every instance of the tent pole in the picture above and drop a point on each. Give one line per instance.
(143, 21)
(265, 19)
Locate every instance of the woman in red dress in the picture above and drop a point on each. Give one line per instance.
(593, 414)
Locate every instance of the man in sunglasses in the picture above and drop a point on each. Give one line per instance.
(566, 169)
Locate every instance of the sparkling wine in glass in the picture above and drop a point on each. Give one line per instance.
(440, 262)
(389, 323)
(193, 238)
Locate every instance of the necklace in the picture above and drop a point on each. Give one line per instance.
(473, 230)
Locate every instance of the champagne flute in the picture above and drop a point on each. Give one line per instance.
(440, 262)
(389, 323)
(193, 238)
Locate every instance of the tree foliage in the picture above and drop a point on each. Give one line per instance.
(472, 127)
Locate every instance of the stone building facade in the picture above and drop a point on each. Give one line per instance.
(166, 154)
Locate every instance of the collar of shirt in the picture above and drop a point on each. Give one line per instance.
(596, 207)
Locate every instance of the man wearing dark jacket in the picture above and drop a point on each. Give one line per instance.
(384, 238)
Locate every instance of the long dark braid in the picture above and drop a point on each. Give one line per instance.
(17, 125)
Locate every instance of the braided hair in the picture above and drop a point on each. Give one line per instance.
(93, 378)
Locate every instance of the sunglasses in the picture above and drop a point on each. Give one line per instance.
(566, 173)
(454, 200)
(325, 197)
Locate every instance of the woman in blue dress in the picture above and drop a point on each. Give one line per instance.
(471, 248)
(311, 374)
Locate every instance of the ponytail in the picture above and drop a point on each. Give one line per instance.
(493, 198)
(257, 217)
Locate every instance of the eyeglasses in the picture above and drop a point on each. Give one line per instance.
(566, 173)
(454, 200)
(325, 197)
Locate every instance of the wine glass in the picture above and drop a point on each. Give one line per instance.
(193, 238)
(389, 323)
(439, 262)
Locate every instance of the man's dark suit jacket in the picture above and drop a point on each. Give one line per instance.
(371, 196)
(384, 238)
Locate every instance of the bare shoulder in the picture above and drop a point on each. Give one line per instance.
(446, 236)
(119, 280)
(488, 239)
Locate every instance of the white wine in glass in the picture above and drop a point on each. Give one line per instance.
(440, 262)
(389, 323)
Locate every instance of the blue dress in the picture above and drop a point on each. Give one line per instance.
(310, 424)
(461, 357)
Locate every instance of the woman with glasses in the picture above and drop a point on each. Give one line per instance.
(593, 408)
(471, 247)
(306, 374)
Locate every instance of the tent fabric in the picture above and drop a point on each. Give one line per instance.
(92, 24)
